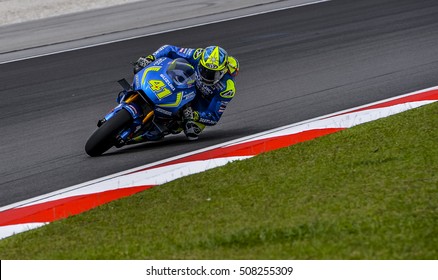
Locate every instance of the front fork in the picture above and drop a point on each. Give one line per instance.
(142, 115)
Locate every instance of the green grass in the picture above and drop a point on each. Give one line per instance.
(370, 192)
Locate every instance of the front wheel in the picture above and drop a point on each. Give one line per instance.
(105, 136)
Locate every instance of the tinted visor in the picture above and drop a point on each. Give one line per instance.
(208, 76)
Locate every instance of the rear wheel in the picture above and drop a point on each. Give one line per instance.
(105, 136)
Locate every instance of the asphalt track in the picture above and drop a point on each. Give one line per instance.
(296, 64)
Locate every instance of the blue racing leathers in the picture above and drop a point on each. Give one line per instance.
(210, 101)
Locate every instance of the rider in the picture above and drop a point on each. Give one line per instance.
(215, 73)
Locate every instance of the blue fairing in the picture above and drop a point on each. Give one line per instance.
(133, 109)
(169, 84)
(166, 87)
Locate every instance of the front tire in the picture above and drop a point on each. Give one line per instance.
(105, 136)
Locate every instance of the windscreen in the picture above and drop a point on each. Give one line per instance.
(181, 73)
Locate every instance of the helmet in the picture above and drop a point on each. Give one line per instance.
(213, 65)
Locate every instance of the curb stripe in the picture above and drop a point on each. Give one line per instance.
(63, 208)
(252, 148)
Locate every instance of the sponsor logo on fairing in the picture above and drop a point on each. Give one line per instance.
(159, 61)
(167, 81)
(189, 95)
(163, 111)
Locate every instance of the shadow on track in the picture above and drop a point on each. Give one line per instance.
(180, 142)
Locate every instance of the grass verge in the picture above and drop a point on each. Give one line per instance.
(370, 192)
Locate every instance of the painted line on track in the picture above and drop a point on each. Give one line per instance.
(159, 32)
(38, 211)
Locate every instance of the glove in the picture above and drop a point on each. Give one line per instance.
(142, 62)
(191, 115)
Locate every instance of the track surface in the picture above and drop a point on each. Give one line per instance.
(296, 64)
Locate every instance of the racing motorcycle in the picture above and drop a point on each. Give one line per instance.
(149, 109)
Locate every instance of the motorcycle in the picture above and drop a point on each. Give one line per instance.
(149, 109)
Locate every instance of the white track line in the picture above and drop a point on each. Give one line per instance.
(158, 32)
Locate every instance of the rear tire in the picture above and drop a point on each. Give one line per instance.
(105, 136)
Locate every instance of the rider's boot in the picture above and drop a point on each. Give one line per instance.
(191, 128)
